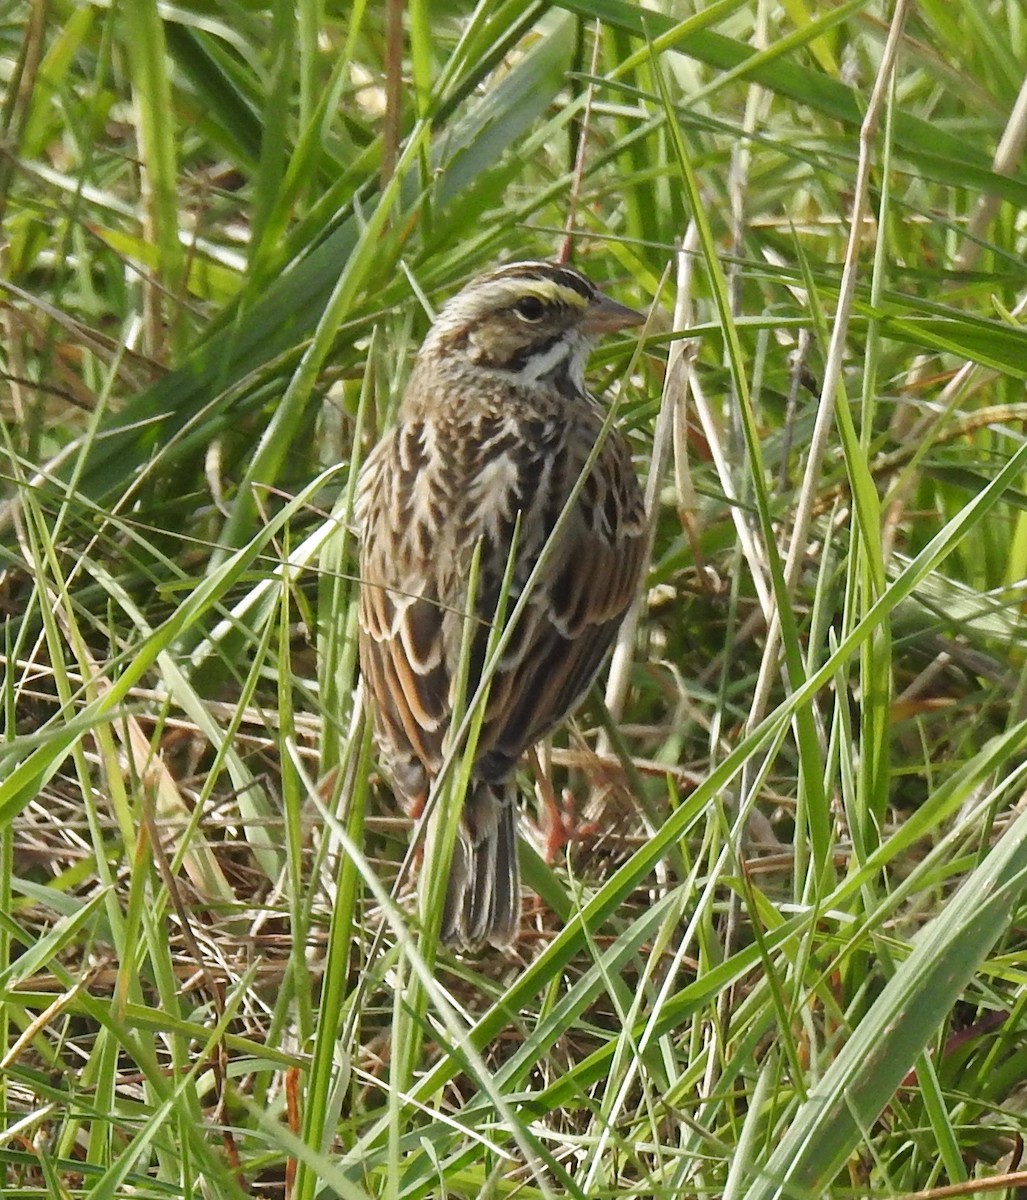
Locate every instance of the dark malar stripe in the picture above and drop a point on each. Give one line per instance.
(535, 350)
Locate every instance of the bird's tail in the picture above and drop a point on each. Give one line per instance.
(483, 891)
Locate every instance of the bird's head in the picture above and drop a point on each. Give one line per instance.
(528, 322)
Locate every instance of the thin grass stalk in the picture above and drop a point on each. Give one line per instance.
(831, 388)
(158, 167)
(284, 34)
(1008, 155)
(292, 795)
(330, 1071)
(674, 390)
(869, 576)
(16, 108)
(440, 822)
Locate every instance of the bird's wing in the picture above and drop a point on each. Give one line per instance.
(419, 535)
(574, 613)
(402, 610)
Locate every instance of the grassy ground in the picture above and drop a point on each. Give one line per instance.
(783, 956)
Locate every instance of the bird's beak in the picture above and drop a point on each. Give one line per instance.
(604, 315)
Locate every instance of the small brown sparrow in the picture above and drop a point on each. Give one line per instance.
(493, 432)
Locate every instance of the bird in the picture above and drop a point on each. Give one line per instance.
(492, 432)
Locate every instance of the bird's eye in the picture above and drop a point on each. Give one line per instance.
(530, 308)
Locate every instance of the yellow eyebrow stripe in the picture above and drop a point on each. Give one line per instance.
(547, 290)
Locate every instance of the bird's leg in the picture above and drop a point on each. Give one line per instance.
(414, 808)
(558, 822)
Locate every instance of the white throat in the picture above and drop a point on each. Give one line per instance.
(568, 355)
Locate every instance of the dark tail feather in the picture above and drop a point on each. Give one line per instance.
(483, 899)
